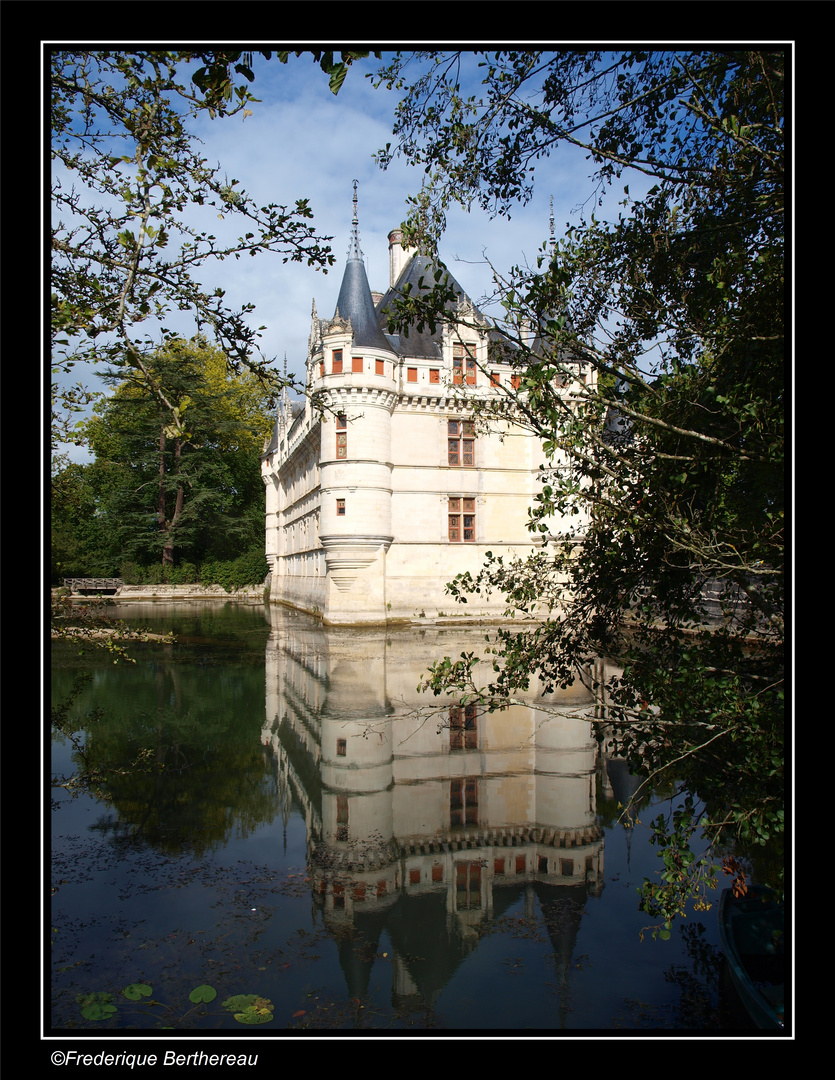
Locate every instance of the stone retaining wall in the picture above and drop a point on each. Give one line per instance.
(188, 592)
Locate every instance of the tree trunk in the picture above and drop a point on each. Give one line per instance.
(168, 547)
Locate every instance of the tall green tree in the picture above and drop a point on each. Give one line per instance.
(191, 487)
(670, 459)
(80, 545)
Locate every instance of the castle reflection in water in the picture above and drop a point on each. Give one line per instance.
(428, 827)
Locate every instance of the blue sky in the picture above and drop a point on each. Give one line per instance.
(301, 141)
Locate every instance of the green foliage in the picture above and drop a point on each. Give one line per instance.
(135, 216)
(136, 210)
(215, 78)
(250, 1009)
(80, 544)
(661, 510)
(245, 1008)
(248, 569)
(161, 493)
(96, 1006)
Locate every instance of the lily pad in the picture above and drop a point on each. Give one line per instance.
(136, 991)
(96, 1006)
(249, 1008)
(202, 993)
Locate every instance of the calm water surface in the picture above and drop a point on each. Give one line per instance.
(277, 817)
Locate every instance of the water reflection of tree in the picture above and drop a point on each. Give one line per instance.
(697, 1006)
(184, 773)
(182, 785)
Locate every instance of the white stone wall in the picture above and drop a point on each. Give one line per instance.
(363, 536)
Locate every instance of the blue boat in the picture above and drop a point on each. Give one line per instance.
(751, 931)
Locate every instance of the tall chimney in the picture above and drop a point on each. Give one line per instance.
(398, 255)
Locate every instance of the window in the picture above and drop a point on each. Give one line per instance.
(341, 747)
(341, 818)
(434, 375)
(336, 365)
(463, 364)
(341, 436)
(437, 872)
(460, 442)
(495, 378)
(411, 374)
(380, 367)
(414, 877)
(468, 886)
(463, 733)
(461, 520)
(514, 381)
(463, 801)
(356, 364)
(340, 508)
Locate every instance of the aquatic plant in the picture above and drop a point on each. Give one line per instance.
(245, 1008)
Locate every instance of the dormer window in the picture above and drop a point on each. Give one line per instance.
(463, 364)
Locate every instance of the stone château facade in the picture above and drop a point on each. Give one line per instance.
(380, 487)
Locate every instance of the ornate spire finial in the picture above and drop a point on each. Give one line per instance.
(315, 334)
(354, 251)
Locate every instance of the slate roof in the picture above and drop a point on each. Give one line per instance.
(423, 344)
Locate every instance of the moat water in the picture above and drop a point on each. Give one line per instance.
(271, 809)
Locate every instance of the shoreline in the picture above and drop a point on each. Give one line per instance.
(130, 593)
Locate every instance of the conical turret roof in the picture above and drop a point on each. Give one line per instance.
(355, 301)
